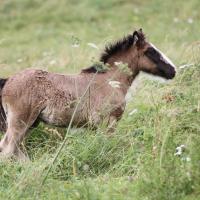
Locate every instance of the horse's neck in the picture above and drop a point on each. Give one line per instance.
(125, 80)
(121, 75)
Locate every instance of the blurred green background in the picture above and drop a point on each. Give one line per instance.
(41, 33)
(138, 161)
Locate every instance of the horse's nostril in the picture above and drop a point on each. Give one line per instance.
(172, 73)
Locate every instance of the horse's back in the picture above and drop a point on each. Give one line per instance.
(25, 87)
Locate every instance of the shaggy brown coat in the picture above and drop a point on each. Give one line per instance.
(36, 95)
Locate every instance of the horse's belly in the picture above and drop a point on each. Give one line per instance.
(61, 116)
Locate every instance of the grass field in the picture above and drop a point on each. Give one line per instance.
(138, 162)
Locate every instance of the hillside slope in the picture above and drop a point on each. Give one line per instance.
(140, 160)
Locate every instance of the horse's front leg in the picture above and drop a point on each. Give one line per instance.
(114, 117)
(112, 123)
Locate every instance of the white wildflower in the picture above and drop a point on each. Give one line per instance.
(19, 60)
(186, 65)
(52, 62)
(190, 20)
(182, 146)
(187, 159)
(86, 167)
(176, 20)
(114, 84)
(179, 150)
(93, 45)
(133, 111)
(75, 45)
(118, 63)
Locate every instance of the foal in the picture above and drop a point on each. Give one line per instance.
(35, 95)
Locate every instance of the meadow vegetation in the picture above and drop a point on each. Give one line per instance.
(141, 159)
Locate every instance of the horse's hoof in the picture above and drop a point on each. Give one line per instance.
(21, 157)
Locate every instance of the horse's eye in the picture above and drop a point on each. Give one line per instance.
(152, 54)
(151, 51)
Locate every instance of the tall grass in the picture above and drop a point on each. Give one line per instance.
(139, 161)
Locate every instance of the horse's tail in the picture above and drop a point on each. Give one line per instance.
(2, 112)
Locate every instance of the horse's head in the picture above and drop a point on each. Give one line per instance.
(152, 60)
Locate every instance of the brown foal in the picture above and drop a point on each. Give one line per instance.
(35, 95)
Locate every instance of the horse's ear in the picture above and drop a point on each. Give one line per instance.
(140, 31)
(135, 36)
(139, 38)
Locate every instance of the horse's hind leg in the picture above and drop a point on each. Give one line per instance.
(18, 124)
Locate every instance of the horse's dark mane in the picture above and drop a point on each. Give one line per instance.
(120, 45)
(90, 69)
(113, 48)
(95, 68)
